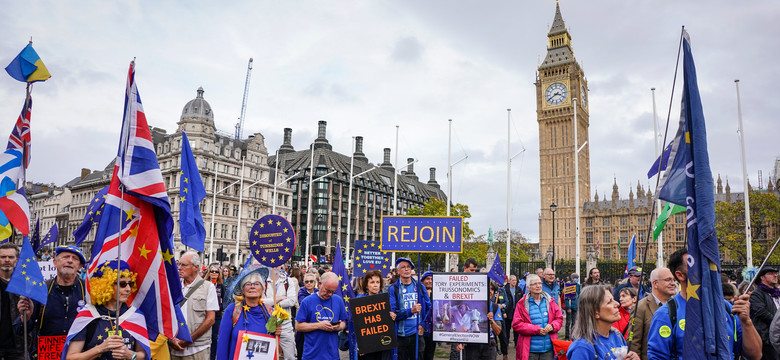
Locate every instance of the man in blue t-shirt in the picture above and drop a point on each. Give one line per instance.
(666, 339)
(316, 318)
(410, 302)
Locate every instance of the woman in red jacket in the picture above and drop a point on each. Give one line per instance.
(627, 301)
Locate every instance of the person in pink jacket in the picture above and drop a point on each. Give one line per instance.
(537, 320)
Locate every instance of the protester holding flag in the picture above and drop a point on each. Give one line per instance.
(667, 329)
(593, 334)
(410, 305)
(65, 295)
(101, 337)
(247, 312)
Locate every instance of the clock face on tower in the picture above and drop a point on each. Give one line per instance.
(555, 94)
(584, 98)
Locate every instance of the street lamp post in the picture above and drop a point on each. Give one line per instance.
(319, 239)
(553, 207)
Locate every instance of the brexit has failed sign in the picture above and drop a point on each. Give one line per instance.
(368, 257)
(431, 234)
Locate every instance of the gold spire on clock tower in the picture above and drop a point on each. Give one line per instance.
(560, 79)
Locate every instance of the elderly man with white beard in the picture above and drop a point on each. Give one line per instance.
(65, 296)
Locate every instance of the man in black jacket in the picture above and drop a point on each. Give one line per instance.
(763, 305)
(513, 293)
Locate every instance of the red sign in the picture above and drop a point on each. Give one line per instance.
(50, 347)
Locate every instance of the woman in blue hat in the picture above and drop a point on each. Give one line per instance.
(102, 338)
(247, 312)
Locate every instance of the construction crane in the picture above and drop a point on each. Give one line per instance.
(240, 124)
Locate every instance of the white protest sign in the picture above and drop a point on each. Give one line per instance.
(460, 307)
(47, 269)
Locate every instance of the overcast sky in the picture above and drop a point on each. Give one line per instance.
(366, 66)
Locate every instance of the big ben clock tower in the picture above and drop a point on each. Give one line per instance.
(559, 80)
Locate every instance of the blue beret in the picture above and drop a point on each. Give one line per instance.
(426, 274)
(397, 261)
(111, 264)
(72, 249)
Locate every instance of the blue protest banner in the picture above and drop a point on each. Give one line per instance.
(427, 234)
(369, 257)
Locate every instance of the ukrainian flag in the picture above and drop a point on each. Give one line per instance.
(28, 66)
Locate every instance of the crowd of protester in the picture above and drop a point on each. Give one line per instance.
(540, 315)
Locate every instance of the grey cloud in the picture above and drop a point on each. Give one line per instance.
(407, 49)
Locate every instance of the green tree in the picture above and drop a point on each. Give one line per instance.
(730, 225)
(437, 207)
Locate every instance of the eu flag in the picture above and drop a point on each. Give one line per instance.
(27, 279)
(51, 236)
(705, 335)
(345, 291)
(93, 215)
(35, 235)
(497, 272)
(191, 193)
(631, 256)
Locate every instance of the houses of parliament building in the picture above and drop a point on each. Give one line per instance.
(607, 222)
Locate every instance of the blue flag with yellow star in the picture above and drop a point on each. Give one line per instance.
(368, 257)
(345, 291)
(497, 271)
(50, 237)
(27, 279)
(191, 193)
(35, 235)
(705, 335)
(93, 215)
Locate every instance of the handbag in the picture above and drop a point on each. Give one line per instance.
(343, 341)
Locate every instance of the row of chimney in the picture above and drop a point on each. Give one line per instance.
(322, 142)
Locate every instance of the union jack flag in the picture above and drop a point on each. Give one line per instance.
(20, 134)
(131, 321)
(137, 215)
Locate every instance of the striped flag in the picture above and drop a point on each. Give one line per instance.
(131, 321)
(20, 134)
(13, 203)
(140, 207)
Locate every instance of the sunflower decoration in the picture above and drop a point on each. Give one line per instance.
(277, 317)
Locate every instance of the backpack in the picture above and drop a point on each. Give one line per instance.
(672, 304)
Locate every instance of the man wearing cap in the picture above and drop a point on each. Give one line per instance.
(763, 305)
(199, 307)
(634, 275)
(410, 303)
(65, 296)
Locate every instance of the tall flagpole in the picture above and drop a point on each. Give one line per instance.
(508, 189)
(349, 199)
(308, 211)
(240, 198)
(576, 193)
(276, 179)
(660, 243)
(449, 185)
(213, 210)
(395, 182)
(748, 234)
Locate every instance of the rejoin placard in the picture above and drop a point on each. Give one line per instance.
(431, 234)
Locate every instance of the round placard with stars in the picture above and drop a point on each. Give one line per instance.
(272, 240)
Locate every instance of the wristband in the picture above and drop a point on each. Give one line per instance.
(134, 355)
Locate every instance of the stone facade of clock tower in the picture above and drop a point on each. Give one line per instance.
(559, 80)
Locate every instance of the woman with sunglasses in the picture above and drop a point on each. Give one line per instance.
(246, 313)
(215, 277)
(101, 337)
(593, 334)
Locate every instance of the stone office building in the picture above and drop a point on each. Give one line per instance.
(372, 193)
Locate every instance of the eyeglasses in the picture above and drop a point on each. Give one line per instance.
(549, 274)
(183, 264)
(328, 291)
(123, 284)
(253, 284)
(214, 271)
(308, 281)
